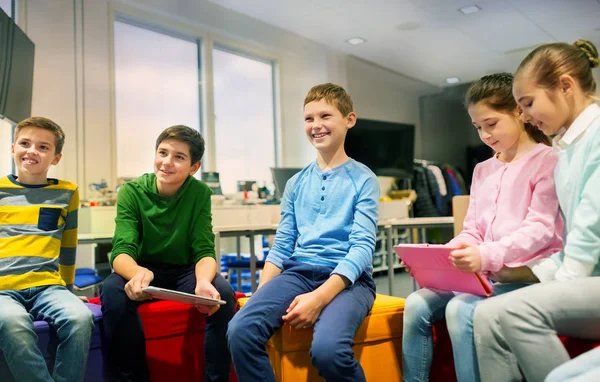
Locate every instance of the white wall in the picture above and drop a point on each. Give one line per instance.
(73, 80)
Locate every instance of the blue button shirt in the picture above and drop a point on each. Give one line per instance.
(329, 218)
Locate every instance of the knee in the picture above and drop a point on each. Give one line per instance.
(12, 321)
(459, 316)
(112, 293)
(77, 319)
(416, 311)
(512, 318)
(238, 333)
(327, 354)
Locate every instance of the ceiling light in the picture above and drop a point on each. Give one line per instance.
(356, 40)
(470, 9)
(452, 80)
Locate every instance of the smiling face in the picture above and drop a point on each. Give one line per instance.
(172, 166)
(34, 151)
(546, 109)
(499, 130)
(325, 126)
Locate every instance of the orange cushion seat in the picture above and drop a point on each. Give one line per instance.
(378, 345)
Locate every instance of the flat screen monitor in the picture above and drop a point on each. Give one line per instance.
(16, 70)
(382, 145)
(281, 177)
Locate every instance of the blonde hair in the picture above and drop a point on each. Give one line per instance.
(46, 124)
(333, 94)
(548, 62)
(495, 91)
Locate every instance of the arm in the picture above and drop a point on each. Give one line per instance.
(535, 232)
(126, 246)
(269, 271)
(470, 234)
(582, 249)
(363, 234)
(68, 245)
(286, 236)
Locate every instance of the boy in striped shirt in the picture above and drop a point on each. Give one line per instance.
(38, 239)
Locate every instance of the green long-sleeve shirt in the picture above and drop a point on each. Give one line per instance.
(153, 229)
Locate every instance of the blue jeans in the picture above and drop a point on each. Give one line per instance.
(72, 321)
(333, 337)
(585, 368)
(425, 307)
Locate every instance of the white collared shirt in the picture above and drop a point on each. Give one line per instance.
(566, 137)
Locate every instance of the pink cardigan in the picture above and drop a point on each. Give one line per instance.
(513, 213)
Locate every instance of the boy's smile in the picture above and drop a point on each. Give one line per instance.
(172, 166)
(325, 126)
(34, 153)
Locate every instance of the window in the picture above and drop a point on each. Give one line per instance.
(156, 86)
(244, 118)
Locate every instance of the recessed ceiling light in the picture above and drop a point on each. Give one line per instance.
(356, 40)
(470, 9)
(452, 80)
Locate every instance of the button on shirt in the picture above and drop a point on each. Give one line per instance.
(332, 217)
(513, 213)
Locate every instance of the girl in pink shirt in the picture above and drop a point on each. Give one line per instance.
(512, 220)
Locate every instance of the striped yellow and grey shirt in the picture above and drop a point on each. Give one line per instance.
(38, 233)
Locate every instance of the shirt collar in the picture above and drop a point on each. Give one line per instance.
(566, 137)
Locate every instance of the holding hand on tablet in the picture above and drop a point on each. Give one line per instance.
(466, 258)
(141, 279)
(204, 288)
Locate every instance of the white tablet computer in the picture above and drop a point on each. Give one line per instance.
(186, 298)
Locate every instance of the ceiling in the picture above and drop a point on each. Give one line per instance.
(430, 40)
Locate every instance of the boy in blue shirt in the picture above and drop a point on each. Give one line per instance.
(318, 274)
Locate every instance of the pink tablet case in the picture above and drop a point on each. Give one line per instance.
(430, 266)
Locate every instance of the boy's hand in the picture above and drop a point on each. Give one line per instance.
(142, 278)
(205, 288)
(304, 310)
(466, 258)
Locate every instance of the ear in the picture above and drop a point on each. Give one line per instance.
(12, 150)
(195, 167)
(350, 120)
(56, 159)
(566, 84)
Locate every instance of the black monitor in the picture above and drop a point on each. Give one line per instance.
(281, 177)
(212, 180)
(384, 147)
(16, 70)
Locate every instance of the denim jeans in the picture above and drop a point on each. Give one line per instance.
(124, 335)
(585, 368)
(425, 307)
(71, 320)
(333, 337)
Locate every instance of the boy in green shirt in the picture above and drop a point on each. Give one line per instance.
(163, 236)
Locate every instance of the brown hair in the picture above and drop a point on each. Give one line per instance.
(186, 135)
(548, 62)
(333, 94)
(495, 90)
(46, 124)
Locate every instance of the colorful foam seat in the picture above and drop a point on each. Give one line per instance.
(378, 345)
(95, 366)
